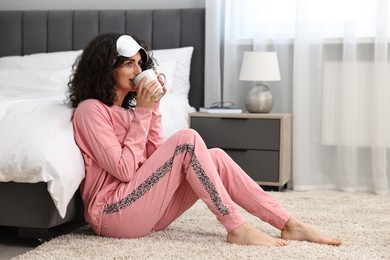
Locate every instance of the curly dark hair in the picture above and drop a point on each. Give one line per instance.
(92, 75)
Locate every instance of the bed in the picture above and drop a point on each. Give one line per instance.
(40, 165)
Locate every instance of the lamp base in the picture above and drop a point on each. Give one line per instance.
(259, 99)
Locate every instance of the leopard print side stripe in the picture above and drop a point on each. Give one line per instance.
(209, 186)
(160, 173)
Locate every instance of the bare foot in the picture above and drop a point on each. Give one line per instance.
(248, 235)
(297, 230)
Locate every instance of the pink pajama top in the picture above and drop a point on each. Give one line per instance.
(114, 143)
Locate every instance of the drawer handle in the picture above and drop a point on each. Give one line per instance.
(236, 149)
(234, 118)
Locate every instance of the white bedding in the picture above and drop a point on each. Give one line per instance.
(36, 140)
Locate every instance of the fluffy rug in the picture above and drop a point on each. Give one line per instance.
(361, 220)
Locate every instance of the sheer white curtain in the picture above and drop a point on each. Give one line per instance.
(334, 63)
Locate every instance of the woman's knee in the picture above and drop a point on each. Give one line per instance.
(217, 152)
(188, 133)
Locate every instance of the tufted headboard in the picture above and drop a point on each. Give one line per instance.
(28, 32)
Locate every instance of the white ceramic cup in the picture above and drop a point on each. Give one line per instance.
(150, 75)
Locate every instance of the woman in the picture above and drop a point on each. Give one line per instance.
(135, 183)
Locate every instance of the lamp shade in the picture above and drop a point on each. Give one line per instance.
(260, 66)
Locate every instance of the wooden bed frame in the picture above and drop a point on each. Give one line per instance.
(27, 209)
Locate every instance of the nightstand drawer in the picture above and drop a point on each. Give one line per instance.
(259, 165)
(238, 133)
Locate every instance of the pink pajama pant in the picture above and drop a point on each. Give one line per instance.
(179, 172)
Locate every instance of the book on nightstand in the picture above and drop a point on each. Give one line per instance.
(220, 110)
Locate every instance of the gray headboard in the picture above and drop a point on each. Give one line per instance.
(27, 32)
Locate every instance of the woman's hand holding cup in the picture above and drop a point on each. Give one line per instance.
(158, 90)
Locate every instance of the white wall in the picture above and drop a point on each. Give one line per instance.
(97, 4)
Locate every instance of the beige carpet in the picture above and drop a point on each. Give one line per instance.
(361, 220)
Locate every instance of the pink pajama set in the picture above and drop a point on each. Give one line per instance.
(136, 184)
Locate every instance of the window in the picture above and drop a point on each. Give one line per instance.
(335, 18)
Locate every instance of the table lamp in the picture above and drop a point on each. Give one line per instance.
(259, 67)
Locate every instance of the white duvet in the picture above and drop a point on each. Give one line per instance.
(36, 144)
(36, 134)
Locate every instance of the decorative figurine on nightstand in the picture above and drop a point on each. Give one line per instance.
(260, 67)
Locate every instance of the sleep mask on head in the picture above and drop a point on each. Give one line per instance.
(126, 46)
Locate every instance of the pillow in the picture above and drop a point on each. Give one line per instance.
(174, 111)
(52, 60)
(168, 68)
(38, 79)
(181, 82)
(36, 72)
(45, 70)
